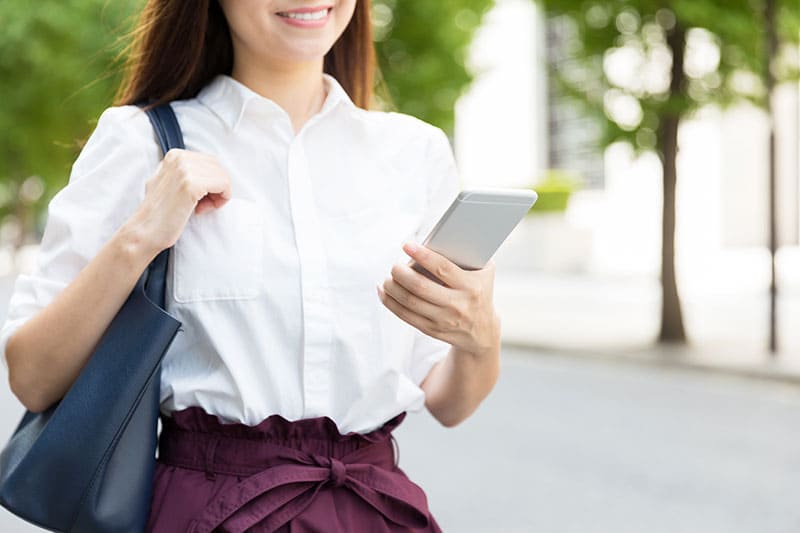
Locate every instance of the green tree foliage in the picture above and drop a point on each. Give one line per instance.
(422, 48)
(678, 56)
(54, 59)
(730, 32)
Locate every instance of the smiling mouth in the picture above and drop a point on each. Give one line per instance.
(314, 15)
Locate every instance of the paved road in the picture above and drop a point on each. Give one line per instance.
(578, 445)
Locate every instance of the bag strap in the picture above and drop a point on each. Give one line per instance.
(169, 135)
(167, 128)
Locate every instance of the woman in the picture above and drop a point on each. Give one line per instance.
(291, 202)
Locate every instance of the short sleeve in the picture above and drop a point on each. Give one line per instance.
(105, 186)
(444, 183)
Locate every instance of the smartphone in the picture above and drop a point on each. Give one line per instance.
(477, 222)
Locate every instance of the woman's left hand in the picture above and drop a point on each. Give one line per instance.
(461, 312)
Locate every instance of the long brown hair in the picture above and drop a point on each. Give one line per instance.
(178, 46)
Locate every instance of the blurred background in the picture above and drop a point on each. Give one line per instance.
(650, 301)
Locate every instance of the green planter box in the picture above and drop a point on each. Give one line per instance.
(551, 201)
(554, 192)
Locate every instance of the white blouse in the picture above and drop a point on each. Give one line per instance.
(275, 289)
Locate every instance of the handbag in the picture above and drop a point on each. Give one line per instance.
(86, 464)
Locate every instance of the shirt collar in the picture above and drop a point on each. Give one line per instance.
(229, 98)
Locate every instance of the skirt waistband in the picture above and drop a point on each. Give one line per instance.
(286, 463)
(193, 438)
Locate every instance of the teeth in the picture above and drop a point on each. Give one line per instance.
(316, 15)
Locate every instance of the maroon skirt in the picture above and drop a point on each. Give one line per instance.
(281, 476)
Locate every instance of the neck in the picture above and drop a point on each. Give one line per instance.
(298, 88)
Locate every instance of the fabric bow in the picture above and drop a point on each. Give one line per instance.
(275, 495)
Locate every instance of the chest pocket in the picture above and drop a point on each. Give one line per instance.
(220, 254)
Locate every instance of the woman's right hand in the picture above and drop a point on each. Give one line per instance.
(184, 182)
(45, 355)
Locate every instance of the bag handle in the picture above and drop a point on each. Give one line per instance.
(168, 130)
(169, 135)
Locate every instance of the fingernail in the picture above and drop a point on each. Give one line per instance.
(411, 247)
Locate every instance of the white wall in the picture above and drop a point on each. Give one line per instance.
(500, 122)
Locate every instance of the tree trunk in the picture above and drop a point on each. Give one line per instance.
(672, 329)
(771, 52)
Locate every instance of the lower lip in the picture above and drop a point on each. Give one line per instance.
(306, 23)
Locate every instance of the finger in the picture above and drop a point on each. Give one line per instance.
(217, 199)
(219, 184)
(411, 301)
(173, 154)
(210, 201)
(421, 285)
(436, 264)
(204, 204)
(406, 315)
(214, 179)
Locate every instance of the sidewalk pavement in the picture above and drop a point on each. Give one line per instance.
(617, 318)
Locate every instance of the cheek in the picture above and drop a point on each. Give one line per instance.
(250, 22)
(343, 12)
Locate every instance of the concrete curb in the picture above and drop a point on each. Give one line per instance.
(763, 367)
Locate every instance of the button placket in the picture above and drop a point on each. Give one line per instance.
(317, 320)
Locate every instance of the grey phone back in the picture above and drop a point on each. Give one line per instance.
(477, 222)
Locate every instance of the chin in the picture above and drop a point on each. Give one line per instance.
(304, 54)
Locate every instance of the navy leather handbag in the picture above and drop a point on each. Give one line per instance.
(86, 464)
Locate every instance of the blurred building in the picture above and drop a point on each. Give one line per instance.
(573, 136)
